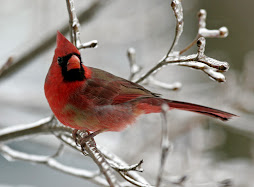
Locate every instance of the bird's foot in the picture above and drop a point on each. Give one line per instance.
(83, 140)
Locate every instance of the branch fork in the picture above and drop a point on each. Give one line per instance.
(212, 67)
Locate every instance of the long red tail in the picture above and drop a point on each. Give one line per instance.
(153, 105)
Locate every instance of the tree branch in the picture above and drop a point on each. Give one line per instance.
(204, 32)
(178, 11)
(52, 163)
(165, 143)
(210, 66)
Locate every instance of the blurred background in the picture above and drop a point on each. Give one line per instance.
(207, 151)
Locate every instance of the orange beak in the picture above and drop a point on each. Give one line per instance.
(73, 63)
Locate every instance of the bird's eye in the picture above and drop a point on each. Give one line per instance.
(59, 60)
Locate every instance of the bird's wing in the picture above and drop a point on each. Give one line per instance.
(104, 88)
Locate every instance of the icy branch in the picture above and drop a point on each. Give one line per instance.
(210, 66)
(121, 164)
(134, 67)
(51, 162)
(178, 11)
(134, 167)
(200, 61)
(204, 32)
(172, 86)
(75, 27)
(42, 126)
(165, 143)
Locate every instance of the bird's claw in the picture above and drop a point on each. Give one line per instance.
(85, 138)
(74, 136)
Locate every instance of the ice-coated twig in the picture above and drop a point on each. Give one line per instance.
(75, 27)
(118, 161)
(207, 33)
(178, 11)
(52, 163)
(204, 32)
(210, 66)
(101, 162)
(127, 172)
(26, 130)
(59, 151)
(173, 86)
(134, 67)
(134, 167)
(166, 146)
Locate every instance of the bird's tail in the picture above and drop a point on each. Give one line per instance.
(153, 105)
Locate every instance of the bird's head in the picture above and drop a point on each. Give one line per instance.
(67, 59)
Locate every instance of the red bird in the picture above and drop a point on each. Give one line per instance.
(91, 99)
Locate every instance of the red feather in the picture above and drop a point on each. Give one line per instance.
(64, 47)
(124, 98)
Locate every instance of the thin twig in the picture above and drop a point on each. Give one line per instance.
(204, 32)
(165, 144)
(59, 151)
(210, 66)
(134, 67)
(178, 11)
(132, 181)
(118, 161)
(75, 27)
(172, 86)
(127, 172)
(134, 167)
(101, 162)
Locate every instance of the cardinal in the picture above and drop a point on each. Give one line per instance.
(90, 99)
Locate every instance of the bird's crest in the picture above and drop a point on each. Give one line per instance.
(64, 46)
